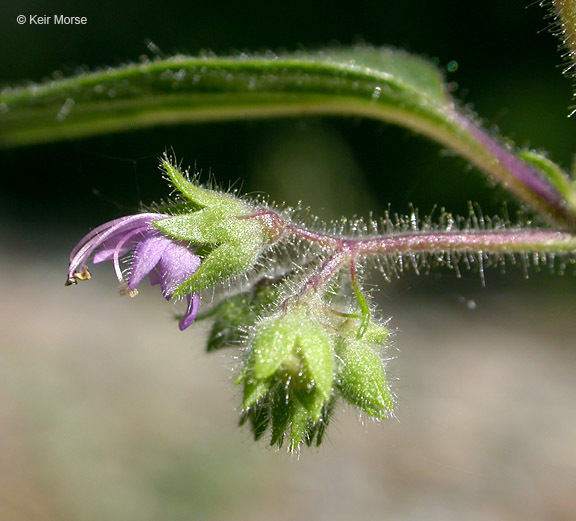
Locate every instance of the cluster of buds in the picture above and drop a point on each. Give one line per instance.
(300, 355)
(299, 361)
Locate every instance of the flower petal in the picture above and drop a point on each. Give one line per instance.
(105, 252)
(147, 254)
(155, 277)
(113, 230)
(178, 264)
(191, 311)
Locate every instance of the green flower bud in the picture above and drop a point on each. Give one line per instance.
(376, 334)
(361, 376)
(288, 418)
(290, 374)
(297, 349)
(231, 316)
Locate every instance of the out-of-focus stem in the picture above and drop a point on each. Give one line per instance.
(566, 10)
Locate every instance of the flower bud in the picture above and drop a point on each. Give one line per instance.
(289, 375)
(361, 376)
(297, 349)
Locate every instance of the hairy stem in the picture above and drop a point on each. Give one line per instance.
(487, 241)
(362, 302)
(566, 10)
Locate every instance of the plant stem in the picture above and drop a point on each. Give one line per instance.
(362, 302)
(503, 241)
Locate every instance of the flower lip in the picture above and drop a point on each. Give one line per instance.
(166, 261)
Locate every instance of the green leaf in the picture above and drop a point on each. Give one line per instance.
(553, 173)
(379, 83)
(362, 80)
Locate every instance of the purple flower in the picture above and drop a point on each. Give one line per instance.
(166, 261)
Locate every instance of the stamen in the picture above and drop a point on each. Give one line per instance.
(83, 275)
(124, 285)
(125, 290)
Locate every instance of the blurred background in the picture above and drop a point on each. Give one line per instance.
(108, 412)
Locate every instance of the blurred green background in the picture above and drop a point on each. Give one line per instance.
(107, 412)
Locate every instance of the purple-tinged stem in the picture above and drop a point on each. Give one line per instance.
(323, 275)
(506, 241)
(518, 176)
(320, 278)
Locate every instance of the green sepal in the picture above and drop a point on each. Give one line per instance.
(318, 356)
(224, 262)
(313, 401)
(274, 341)
(300, 423)
(259, 418)
(318, 428)
(209, 226)
(281, 409)
(289, 415)
(362, 380)
(195, 193)
(254, 390)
